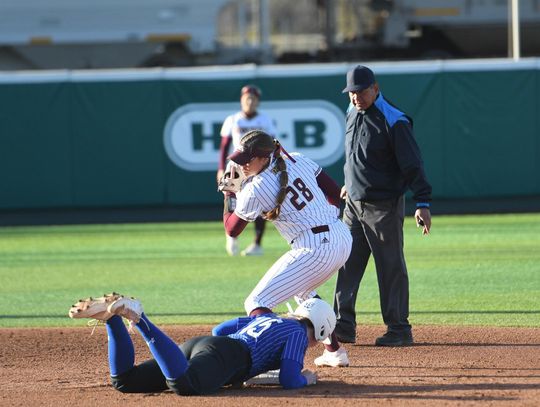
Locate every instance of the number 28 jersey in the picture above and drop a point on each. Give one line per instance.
(305, 205)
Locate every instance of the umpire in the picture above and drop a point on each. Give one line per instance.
(382, 161)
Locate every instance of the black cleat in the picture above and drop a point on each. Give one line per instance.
(393, 338)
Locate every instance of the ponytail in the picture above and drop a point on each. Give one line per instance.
(280, 167)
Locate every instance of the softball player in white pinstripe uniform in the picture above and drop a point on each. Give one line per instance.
(294, 193)
(233, 129)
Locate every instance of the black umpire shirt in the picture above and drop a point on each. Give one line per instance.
(382, 158)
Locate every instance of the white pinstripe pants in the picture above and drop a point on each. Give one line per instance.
(312, 260)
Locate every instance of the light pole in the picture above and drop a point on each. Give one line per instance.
(513, 30)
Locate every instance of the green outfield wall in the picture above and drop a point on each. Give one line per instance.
(80, 139)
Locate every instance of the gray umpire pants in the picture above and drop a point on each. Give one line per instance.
(376, 228)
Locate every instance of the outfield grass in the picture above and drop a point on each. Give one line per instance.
(477, 270)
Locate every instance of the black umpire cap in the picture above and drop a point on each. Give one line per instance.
(359, 78)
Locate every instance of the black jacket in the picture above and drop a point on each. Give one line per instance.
(382, 159)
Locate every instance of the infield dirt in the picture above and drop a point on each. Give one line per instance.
(447, 366)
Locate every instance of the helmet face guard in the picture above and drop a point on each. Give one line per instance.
(232, 179)
(321, 315)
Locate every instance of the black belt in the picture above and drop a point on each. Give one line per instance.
(320, 229)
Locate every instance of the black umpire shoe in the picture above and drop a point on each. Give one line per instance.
(393, 338)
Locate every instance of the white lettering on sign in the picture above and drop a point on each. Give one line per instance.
(314, 128)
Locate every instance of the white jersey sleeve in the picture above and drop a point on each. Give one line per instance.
(252, 208)
(227, 127)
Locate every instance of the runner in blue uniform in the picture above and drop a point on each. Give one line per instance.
(239, 349)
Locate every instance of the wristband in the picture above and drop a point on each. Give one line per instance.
(229, 203)
(422, 205)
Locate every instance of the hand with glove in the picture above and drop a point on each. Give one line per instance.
(232, 178)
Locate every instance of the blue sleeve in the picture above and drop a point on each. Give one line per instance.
(231, 326)
(290, 374)
(226, 328)
(296, 346)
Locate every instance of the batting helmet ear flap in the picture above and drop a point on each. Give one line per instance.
(321, 315)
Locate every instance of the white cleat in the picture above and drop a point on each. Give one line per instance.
(253, 250)
(94, 308)
(129, 308)
(231, 246)
(338, 358)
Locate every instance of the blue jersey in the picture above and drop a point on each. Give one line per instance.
(270, 340)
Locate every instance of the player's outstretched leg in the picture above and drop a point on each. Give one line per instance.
(168, 355)
(121, 351)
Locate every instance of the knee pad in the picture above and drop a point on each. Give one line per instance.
(182, 386)
(122, 383)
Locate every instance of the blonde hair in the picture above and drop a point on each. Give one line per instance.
(263, 142)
